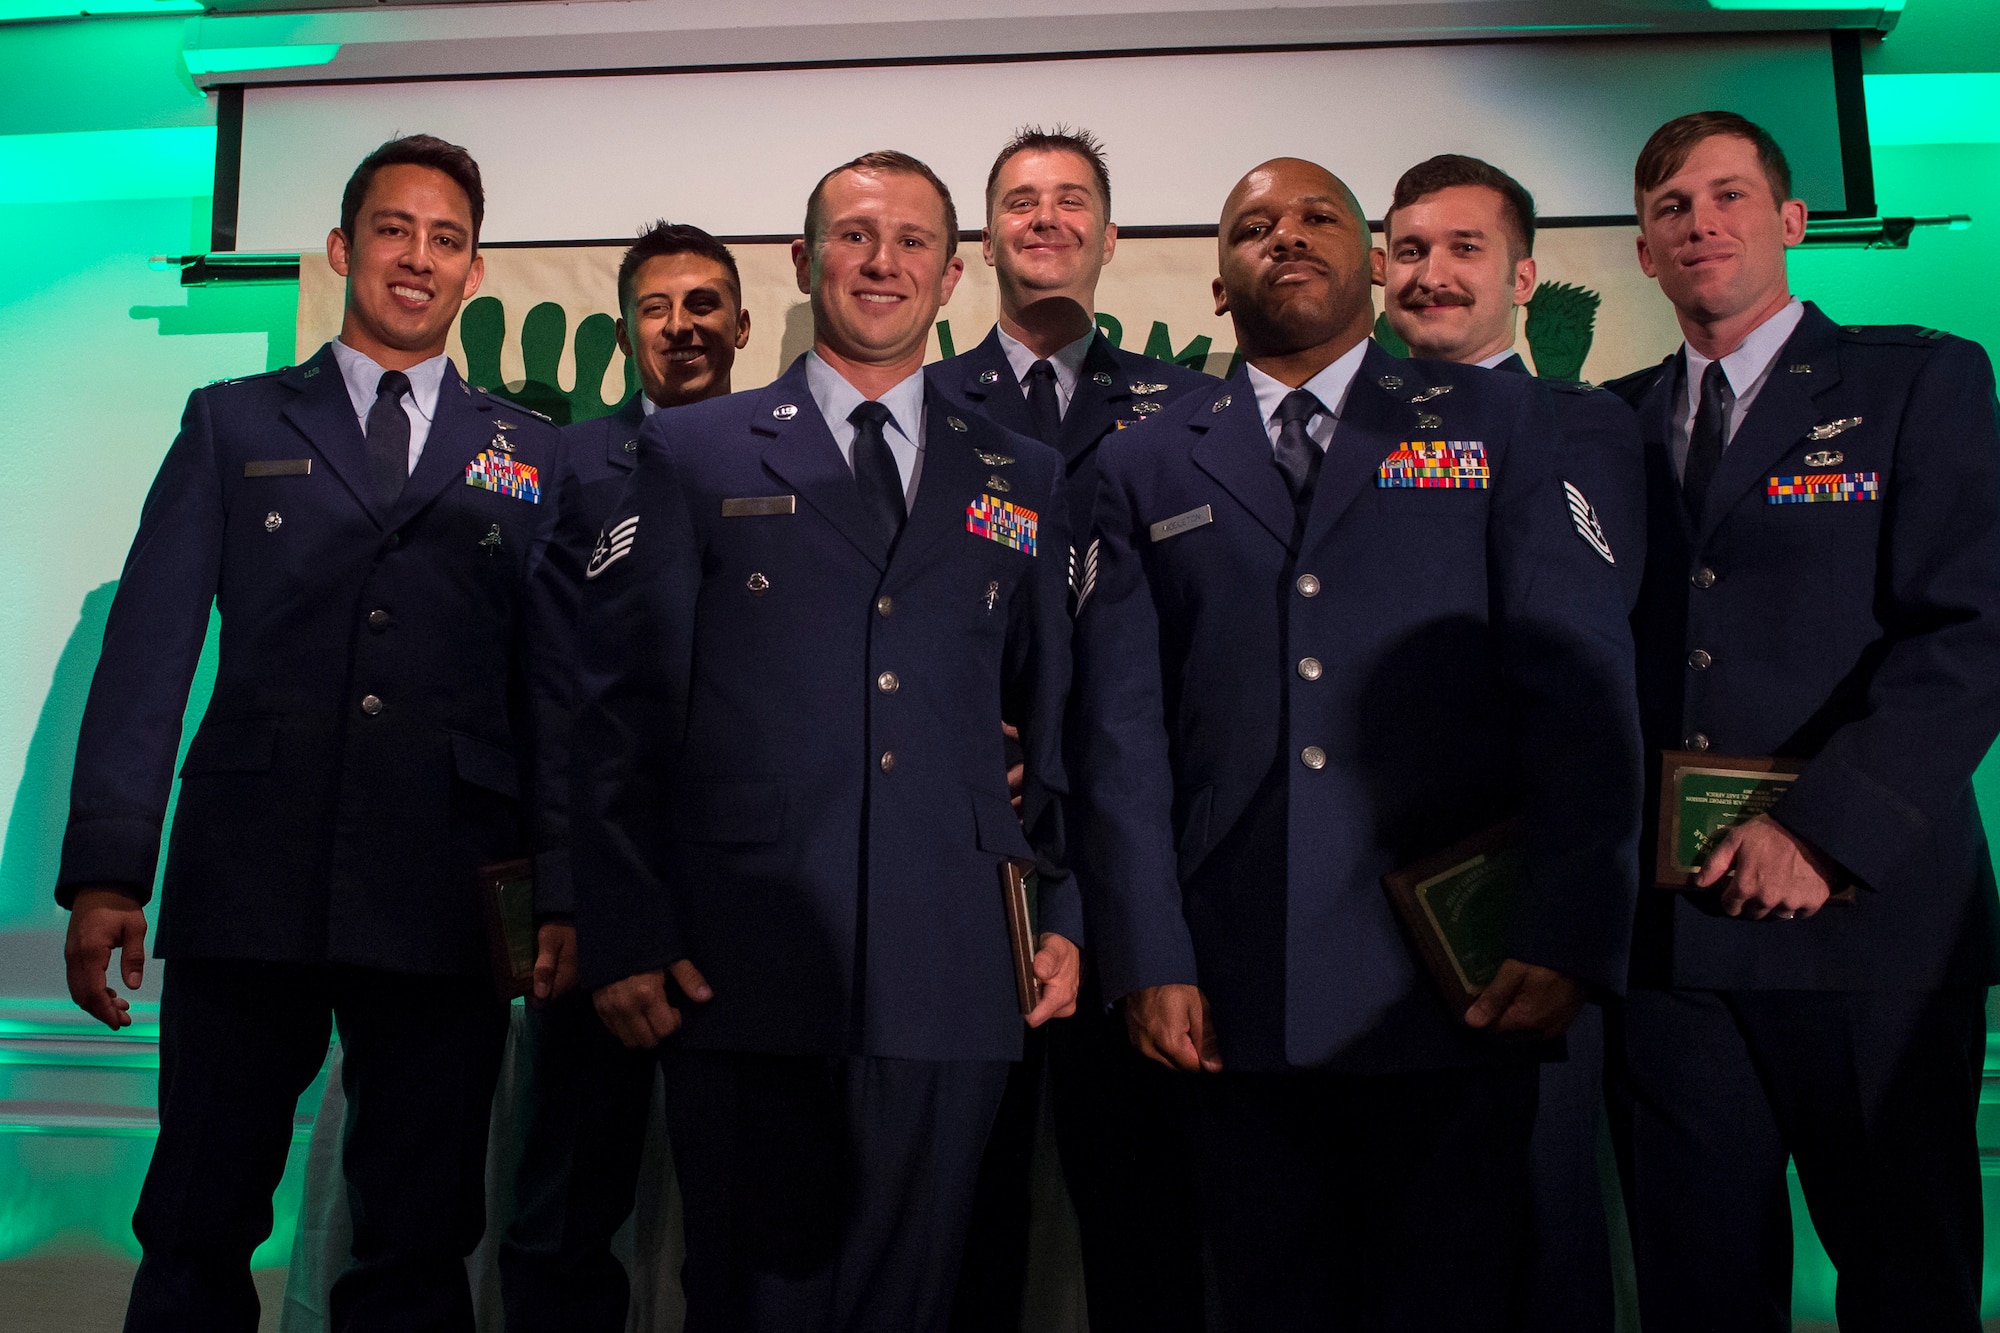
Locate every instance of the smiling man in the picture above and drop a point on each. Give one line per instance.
(1047, 371)
(800, 629)
(365, 525)
(1824, 586)
(682, 322)
(1342, 621)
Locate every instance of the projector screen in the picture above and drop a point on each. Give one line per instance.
(571, 158)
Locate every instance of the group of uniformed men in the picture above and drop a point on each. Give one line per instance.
(771, 684)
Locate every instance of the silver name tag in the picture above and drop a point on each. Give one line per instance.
(755, 506)
(278, 467)
(1179, 523)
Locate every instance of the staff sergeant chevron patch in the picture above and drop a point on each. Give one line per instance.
(613, 545)
(1584, 519)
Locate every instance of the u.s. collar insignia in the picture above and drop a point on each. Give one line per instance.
(1801, 368)
(1391, 382)
(1102, 379)
(1220, 403)
(1142, 388)
(1826, 430)
(957, 425)
(989, 377)
(314, 370)
(785, 411)
(1825, 458)
(1435, 391)
(1429, 421)
(996, 460)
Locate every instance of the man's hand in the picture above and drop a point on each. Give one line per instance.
(1017, 774)
(636, 1009)
(1527, 999)
(1171, 1024)
(555, 960)
(1058, 974)
(100, 920)
(1767, 870)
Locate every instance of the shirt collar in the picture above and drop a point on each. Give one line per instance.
(1493, 362)
(1753, 356)
(646, 405)
(362, 375)
(837, 399)
(1329, 386)
(1067, 361)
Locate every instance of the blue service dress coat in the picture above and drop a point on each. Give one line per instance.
(365, 750)
(1115, 390)
(1842, 589)
(1265, 729)
(598, 458)
(1605, 462)
(789, 764)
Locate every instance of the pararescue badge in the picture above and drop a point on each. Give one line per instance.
(1583, 518)
(500, 472)
(613, 545)
(1000, 521)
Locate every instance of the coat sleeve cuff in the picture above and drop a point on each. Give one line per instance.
(1847, 815)
(121, 852)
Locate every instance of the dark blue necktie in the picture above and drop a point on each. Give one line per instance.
(389, 436)
(1043, 406)
(875, 469)
(1297, 456)
(1705, 437)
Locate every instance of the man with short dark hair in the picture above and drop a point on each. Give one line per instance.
(365, 524)
(1456, 264)
(1342, 621)
(791, 795)
(1823, 586)
(1047, 371)
(682, 321)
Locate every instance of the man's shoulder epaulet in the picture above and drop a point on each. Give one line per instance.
(1637, 379)
(245, 379)
(1892, 335)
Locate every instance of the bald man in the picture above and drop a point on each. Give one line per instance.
(1342, 620)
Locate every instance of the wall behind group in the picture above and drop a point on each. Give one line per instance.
(104, 162)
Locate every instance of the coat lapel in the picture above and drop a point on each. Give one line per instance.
(324, 414)
(624, 429)
(1780, 415)
(989, 385)
(1655, 410)
(1095, 404)
(801, 453)
(1235, 450)
(952, 478)
(462, 425)
(1373, 421)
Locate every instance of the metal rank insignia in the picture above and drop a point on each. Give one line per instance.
(1142, 388)
(996, 460)
(1828, 429)
(1435, 391)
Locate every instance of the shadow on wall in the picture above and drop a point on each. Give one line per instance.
(269, 309)
(30, 856)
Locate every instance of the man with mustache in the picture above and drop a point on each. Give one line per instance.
(1456, 265)
(1342, 620)
(366, 525)
(1823, 585)
(1047, 371)
(682, 322)
(800, 629)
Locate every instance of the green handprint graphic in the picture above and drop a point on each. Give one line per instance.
(483, 329)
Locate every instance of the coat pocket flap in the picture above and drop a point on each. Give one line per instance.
(726, 811)
(998, 828)
(241, 745)
(484, 764)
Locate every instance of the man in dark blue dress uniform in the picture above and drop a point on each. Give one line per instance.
(682, 322)
(366, 525)
(1342, 620)
(1456, 265)
(800, 630)
(1823, 585)
(1048, 372)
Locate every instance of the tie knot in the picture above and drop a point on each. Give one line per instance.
(393, 384)
(1298, 408)
(1715, 382)
(1042, 370)
(869, 413)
